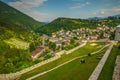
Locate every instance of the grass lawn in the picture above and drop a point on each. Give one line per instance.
(74, 70)
(82, 51)
(108, 68)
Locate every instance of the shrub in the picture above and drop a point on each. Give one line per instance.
(89, 54)
(82, 61)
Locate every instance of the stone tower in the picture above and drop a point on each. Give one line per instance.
(117, 34)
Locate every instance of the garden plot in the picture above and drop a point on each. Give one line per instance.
(93, 44)
(17, 43)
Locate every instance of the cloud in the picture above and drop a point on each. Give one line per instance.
(43, 17)
(117, 9)
(79, 5)
(24, 4)
(102, 12)
(27, 7)
(108, 12)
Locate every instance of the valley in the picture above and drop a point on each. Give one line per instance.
(37, 50)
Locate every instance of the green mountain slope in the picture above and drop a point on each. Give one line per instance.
(16, 34)
(70, 24)
(15, 20)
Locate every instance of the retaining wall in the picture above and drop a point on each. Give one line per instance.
(13, 76)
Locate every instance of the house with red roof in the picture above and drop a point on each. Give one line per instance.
(38, 51)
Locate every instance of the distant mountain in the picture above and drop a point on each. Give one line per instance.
(118, 15)
(44, 23)
(100, 18)
(96, 18)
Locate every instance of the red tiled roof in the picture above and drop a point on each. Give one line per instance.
(37, 50)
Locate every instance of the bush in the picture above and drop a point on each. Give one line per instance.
(37, 61)
(89, 54)
(82, 61)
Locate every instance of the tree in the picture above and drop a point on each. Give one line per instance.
(32, 47)
(47, 50)
(112, 36)
(72, 41)
(9, 67)
(52, 45)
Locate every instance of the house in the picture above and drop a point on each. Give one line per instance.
(44, 36)
(93, 37)
(58, 43)
(53, 35)
(53, 39)
(99, 28)
(38, 51)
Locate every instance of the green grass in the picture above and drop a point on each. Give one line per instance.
(108, 68)
(74, 70)
(82, 51)
(17, 43)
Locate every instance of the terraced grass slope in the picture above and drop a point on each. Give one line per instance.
(82, 51)
(74, 70)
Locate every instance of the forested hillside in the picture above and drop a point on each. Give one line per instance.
(69, 24)
(16, 34)
(19, 21)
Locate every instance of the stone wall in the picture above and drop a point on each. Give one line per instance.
(116, 73)
(13, 76)
(95, 74)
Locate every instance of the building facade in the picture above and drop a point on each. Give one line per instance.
(117, 34)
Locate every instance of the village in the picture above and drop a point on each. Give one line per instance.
(66, 40)
(59, 39)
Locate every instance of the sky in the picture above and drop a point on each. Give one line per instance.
(48, 10)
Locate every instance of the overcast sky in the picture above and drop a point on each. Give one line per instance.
(48, 10)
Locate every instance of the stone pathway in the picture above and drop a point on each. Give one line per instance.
(40, 74)
(116, 73)
(98, 69)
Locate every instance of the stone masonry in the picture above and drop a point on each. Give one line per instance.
(116, 73)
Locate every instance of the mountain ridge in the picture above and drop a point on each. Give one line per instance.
(99, 18)
(73, 23)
